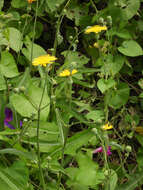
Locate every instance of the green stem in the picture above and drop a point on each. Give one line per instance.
(38, 144)
(34, 29)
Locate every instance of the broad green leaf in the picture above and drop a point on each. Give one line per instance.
(77, 141)
(87, 173)
(37, 50)
(113, 178)
(18, 3)
(27, 105)
(96, 116)
(22, 105)
(53, 5)
(104, 85)
(131, 8)
(8, 66)
(75, 58)
(2, 83)
(77, 12)
(112, 64)
(14, 38)
(119, 96)
(130, 48)
(3, 40)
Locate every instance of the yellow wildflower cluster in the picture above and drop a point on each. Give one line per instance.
(96, 29)
(107, 126)
(43, 60)
(66, 73)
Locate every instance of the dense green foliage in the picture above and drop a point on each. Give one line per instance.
(54, 124)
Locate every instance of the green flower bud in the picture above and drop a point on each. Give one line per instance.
(101, 20)
(22, 89)
(128, 148)
(71, 37)
(16, 90)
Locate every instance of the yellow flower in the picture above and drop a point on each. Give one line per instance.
(43, 60)
(107, 126)
(95, 29)
(66, 73)
(30, 1)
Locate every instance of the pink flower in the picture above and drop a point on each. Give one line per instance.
(100, 149)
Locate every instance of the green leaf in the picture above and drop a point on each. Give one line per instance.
(77, 141)
(131, 8)
(53, 5)
(26, 155)
(14, 177)
(27, 105)
(74, 57)
(130, 48)
(7, 65)
(104, 85)
(7, 183)
(119, 96)
(37, 50)
(14, 38)
(1, 4)
(113, 178)
(134, 181)
(18, 3)
(96, 116)
(87, 174)
(2, 83)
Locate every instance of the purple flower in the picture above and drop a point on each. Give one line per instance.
(9, 118)
(100, 149)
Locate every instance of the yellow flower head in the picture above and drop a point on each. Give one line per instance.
(66, 73)
(107, 126)
(43, 60)
(30, 1)
(96, 29)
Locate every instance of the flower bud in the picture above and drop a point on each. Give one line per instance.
(101, 20)
(16, 90)
(71, 37)
(22, 89)
(128, 148)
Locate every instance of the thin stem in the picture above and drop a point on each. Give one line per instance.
(60, 18)
(94, 6)
(34, 29)
(38, 145)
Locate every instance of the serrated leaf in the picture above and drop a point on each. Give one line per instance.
(130, 48)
